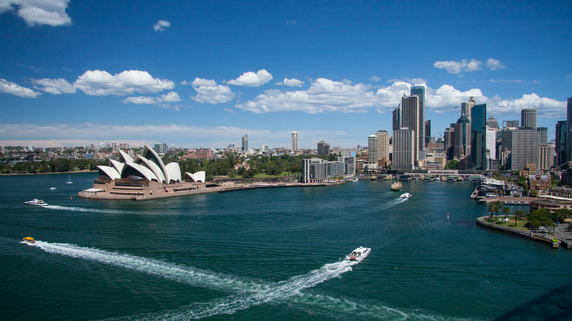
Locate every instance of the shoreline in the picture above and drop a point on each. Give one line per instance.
(541, 237)
(48, 173)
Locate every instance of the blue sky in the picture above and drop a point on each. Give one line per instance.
(204, 73)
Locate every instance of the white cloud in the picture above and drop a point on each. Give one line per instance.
(494, 64)
(230, 111)
(102, 83)
(15, 89)
(473, 65)
(331, 96)
(54, 86)
(291, 22)
(374, 78)
(209, 92)
(251, 79)
(161, 25)
(39, 12)
(291, 82)
(171, 97)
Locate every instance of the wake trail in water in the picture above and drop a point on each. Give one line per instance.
(282, 290)
(83, 209)
(168, 271)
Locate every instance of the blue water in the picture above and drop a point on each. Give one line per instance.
(270, 254)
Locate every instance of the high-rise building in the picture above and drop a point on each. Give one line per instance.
(561, 142)
(158, 148)
(294, 142)
(542, 135)
(372, 149)
(491, 144)
(522, 145)
(528, 118)
(462, 137)
(448, 139)
(478, 137)
(568, 152)
(510, 123)
(466, 108)
(382, 145)
(410, 117)
(492, 122)
(427, 132)
(397, 118)
(245, 143)
(419, 91)
(546, 156)
(323, 148)
(403, 149)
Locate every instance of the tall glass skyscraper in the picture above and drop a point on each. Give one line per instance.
(478, 137)
(420, 131)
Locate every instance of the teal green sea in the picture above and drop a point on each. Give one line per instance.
(270, 254)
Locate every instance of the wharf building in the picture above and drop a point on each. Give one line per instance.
(144, 177)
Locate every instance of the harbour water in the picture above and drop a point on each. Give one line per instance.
(270, 254)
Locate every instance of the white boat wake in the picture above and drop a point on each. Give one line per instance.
(87, 210)
(247, 292)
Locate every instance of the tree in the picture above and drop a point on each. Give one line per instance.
(453, 164)
(506, 211)
(518, 214)
(560, 215)
(492, 209)
(540, 217)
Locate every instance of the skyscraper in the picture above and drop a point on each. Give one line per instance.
(466, 108)
(523, 147)
(528, 118)
(397, 118)
(568, 151)
(294, 142)
(419, 91)
(323, 148)
(245, 143)
(403, 149)
(542, 135)
(492, 122)
(372, 149)
(462, 137)
(546, 156)
(410, 119)
(478, 137)
(382, 145)
(427, 132)
(561, 142)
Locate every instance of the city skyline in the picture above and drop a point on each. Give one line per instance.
(204, 74)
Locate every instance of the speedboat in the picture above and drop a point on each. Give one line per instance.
(406, 195)
(36, 202)
(358, 254)
(52, 188)
(29, 239)
(355, 180)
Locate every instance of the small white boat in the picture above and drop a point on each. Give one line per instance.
(69, 180)
(358, 254)
(36, 202)
(355, 180)
(406, 195)
(52, 188)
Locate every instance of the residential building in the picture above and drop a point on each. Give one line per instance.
(323, 148)
(294, 142)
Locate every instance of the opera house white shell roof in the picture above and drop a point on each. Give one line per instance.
(147, 166)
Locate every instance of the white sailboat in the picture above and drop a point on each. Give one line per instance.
(69, 180)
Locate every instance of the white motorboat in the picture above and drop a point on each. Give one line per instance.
(36, 202)
(406, 195)
(52, 188)
(358, 254)
(355, 180)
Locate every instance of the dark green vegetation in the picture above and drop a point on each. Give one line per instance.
(536, 219)
(58, 165)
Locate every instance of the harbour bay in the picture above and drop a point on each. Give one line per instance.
(268, 254)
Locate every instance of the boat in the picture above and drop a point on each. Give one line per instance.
(452, 178)
(428, 178)
(355, 180)
(29, 239)
(405, 177)
(358, 254)
(396, 186)
(52, 188)
(406, 195)
(36, 202)
(69, 180)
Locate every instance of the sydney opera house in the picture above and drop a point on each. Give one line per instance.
(145, 177)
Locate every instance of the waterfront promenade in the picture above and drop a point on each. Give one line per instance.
(561, 232)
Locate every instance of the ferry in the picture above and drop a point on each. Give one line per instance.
(428, 178)
(396, 186)
(358, 254)
(406, 195)
(29, 239)
(452, 178)
(36, 202)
